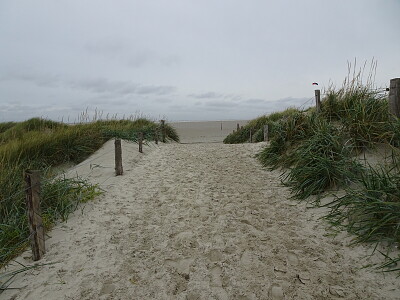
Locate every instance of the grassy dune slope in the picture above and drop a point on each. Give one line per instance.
(43, 144)
(319, 153)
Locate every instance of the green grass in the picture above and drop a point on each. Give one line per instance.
(371, 211)
(256, 126)
(287, 135)
(318, 154)
(43, 144)
(322, 162)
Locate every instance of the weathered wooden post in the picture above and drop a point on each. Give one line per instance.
(237, 127)
(221, 126)
(163, 131)
(156, 136)
(118, 157)
(266, 133)
(140, 140)
(32, 183)
(318, 100)
(394, 97)
(251, 135)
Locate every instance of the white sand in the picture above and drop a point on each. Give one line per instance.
(197, 221)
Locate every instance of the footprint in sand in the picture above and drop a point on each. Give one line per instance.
(277, 293)
(292, 258)
(107, 289)
(181, 265)
(216, 283)
(215, 256)
(246, 258)
(216, 276)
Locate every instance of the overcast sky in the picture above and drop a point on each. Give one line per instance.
(185, 59)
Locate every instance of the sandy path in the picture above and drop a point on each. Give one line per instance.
(200, 221)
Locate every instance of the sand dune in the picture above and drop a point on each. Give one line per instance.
(197, 221)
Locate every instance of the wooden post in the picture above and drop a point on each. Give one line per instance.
(221, 126)
(118, 157)
(32, 183)
(237, 127)
(318, 100)
(163, 131)
(140, 140)
(394, 97)
(251, 136)
(156, 136)
(266, 133)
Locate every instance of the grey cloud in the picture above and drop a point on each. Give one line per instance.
(139, 59)
(33, 109)
(94, 85)
(39, 80)
(107, 48)
(255, 101)
(129, 55)
(102, 85)
(176, 107)
(221, 104)
(295, 101)
(206, 95)
(162, 100)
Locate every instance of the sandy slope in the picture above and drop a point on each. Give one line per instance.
(199, 221)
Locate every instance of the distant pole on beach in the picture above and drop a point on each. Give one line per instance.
(237, 127)
(221, 125)
(318, 100)
(394, 97)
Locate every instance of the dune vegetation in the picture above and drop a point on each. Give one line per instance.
(320, 153)
(42, 145)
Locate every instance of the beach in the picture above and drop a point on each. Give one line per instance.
(196, 220)
(205, 132)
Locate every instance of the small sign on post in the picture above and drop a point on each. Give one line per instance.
(32, 183)
(140, 140)
(394, 97)
(266, 133)
(318, 100)
(118, 157)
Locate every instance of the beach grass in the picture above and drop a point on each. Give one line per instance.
(256, 126)
(319, 154)
(42, 145)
